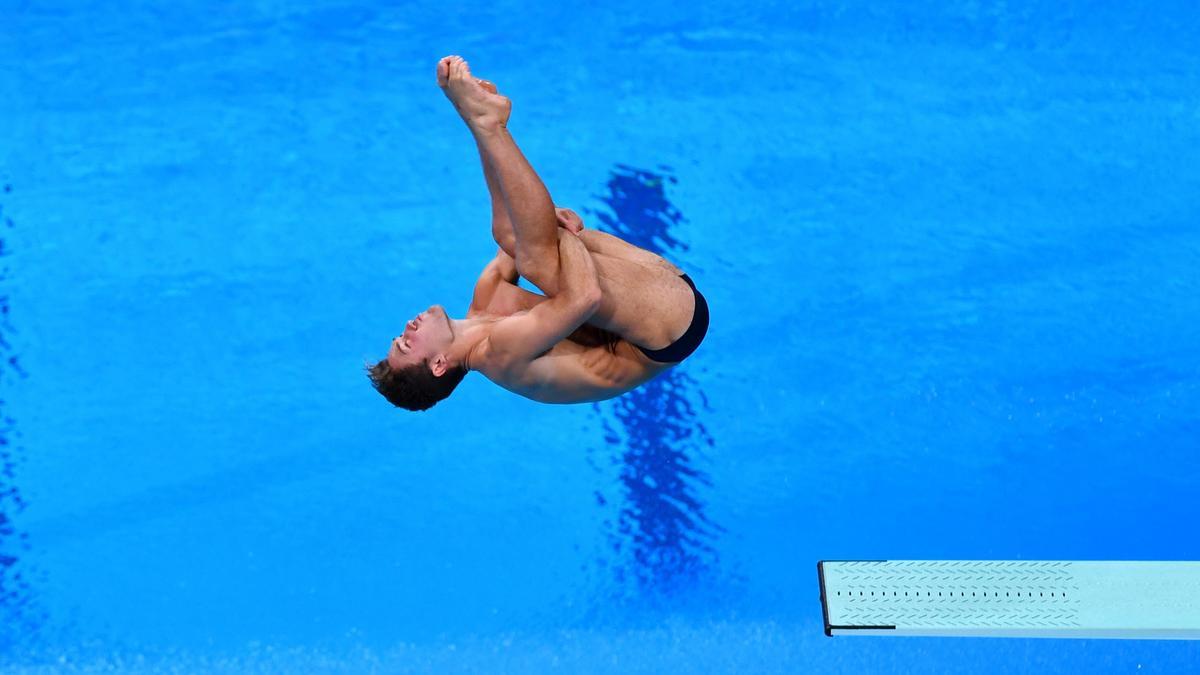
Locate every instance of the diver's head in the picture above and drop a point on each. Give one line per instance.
(417, 371)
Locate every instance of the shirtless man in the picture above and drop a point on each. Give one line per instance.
(643, 316)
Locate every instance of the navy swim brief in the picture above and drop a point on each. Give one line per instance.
(691, 338)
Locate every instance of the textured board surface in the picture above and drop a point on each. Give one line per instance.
(1008, 598)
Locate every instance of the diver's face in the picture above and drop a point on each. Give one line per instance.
(426, 335)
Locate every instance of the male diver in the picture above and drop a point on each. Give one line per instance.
(613, 315)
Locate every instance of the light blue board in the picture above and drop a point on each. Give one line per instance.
(1010, 598)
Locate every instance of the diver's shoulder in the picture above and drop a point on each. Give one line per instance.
(502, 366)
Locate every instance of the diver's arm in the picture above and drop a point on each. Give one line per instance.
(521, 338)
(577, 271)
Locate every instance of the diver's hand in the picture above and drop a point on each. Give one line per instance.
(569, 220)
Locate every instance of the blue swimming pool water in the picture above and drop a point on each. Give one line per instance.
(950, 250)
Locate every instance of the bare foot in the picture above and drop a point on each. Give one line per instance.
(477, 103)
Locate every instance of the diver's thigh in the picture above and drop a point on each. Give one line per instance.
(612, 245)
(648, 306)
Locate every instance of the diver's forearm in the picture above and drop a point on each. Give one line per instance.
(577, 271)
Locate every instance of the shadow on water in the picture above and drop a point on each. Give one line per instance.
(660, 540)
(17, 615)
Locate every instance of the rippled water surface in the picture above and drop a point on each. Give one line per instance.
(950, 251)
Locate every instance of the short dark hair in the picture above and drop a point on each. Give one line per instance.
(414, 387)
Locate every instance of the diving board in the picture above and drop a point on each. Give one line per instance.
(1011, 598)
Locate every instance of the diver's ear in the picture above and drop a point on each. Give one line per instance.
(438, 365)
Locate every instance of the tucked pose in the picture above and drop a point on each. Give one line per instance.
(613, 315)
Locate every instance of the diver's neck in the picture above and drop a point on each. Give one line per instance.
(468, 335)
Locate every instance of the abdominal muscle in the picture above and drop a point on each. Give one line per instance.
(579, 369)
(574, 373)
